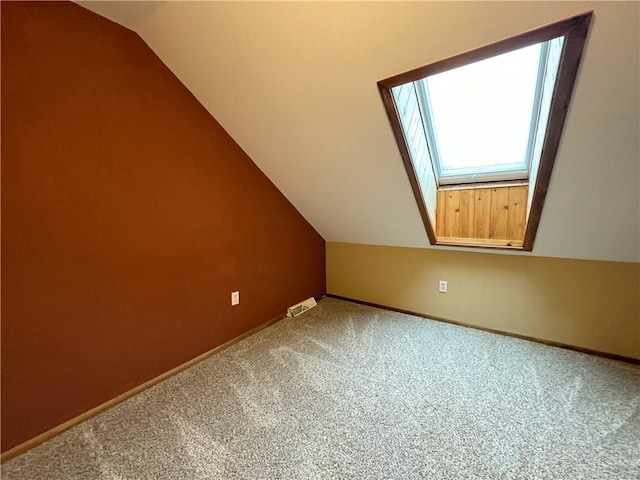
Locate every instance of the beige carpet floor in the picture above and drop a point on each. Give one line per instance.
(347, 391)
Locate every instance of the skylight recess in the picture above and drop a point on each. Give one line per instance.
(493, 114)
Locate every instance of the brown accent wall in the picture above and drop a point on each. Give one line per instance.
(583, 303)
(128, 217)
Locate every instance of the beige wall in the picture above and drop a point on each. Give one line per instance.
(584, 303)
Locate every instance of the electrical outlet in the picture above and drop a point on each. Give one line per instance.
(442, 287)
(235, 298)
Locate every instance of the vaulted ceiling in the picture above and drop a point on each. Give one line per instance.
(294, 83)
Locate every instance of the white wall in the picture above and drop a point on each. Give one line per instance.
(294, 83)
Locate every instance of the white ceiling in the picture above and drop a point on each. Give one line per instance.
(294, 83)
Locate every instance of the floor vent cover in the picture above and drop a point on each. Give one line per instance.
(300, 308)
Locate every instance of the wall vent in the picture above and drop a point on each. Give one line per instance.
(300, 308)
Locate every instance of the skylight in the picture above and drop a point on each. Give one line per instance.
(480, 119)
(489, 115)
(480, 115)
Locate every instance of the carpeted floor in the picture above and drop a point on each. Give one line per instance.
(348, 391)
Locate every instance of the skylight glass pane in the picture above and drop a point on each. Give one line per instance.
(481, 113)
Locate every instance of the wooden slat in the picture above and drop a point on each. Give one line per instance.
(452, 214)
(429, 191)
(441, 208)
(480, 242)
(482, 210)
(483, 216)
(399, 135)
(467, 210)
(517, 213)
(475, 186)
(499, 213)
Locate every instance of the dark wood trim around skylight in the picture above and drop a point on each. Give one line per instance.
(574, 30)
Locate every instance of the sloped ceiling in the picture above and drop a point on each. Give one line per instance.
(294, 83)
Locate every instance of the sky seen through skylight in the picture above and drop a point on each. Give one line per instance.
(481, 113)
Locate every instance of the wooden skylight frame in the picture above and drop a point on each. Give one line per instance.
(574, 30)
